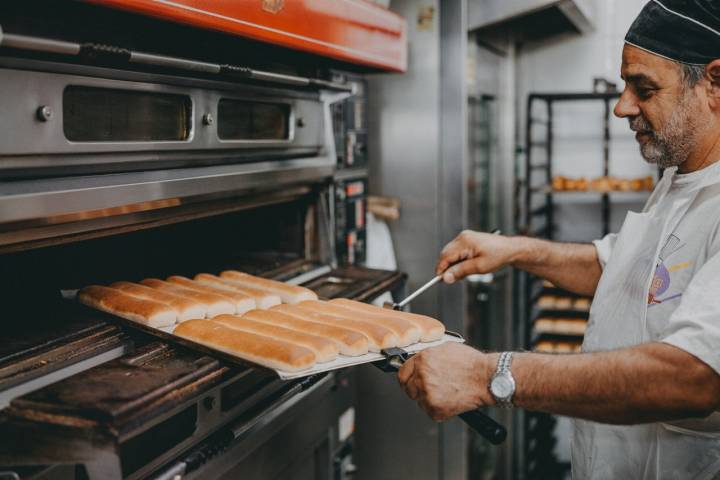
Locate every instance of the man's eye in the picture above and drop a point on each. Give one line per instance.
(645, 93)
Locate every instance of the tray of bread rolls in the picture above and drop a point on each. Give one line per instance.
(247, 319)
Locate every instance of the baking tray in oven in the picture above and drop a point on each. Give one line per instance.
(341, 362)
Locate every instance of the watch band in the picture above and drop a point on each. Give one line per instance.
(503, 369)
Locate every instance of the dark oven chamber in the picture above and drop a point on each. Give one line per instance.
(118, 403)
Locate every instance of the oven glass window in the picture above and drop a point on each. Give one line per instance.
(105, 115)
(245, 120)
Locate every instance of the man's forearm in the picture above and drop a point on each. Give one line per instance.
(647, 383)
(571, 266)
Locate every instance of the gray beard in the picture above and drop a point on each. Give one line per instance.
(673, 144)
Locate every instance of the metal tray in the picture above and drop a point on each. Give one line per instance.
(342, 361)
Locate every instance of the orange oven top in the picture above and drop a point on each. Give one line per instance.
(354, 31)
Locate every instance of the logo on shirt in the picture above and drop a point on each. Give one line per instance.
(661, 279)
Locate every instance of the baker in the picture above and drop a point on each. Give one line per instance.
(645, 391)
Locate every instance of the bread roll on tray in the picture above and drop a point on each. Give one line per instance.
(288, 293)
(323, 348)
(430, 329)
(243, 303)
(122, 304)
(252, 347)
(349, 342)
(187, 309)
(215, 304)
(378, 337)
(263, 299)
(406, 331)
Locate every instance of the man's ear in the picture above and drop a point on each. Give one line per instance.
(712, 74)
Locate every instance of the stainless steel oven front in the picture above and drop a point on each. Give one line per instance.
(95, 119)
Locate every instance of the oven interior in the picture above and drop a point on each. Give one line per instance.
(86, 393)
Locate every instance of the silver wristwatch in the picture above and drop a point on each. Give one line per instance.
(502, 384)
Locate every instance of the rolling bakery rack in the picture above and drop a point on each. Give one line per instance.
(555, 319)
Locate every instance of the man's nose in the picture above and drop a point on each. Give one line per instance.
(626, 106)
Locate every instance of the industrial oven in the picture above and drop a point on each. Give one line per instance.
(149, 138)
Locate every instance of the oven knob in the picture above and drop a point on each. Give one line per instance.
(44, 113)
(300, 122)
(208, 119)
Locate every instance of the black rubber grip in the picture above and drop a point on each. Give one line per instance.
(98, 51)
(488, 428)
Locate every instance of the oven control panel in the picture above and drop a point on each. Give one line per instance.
(350, 125)
(350, 231)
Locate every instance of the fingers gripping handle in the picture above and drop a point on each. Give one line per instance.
(497, 231)
(485, 426)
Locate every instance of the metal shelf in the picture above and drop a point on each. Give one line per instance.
(592, 196)
(350, 173)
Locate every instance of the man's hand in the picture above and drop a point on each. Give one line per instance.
(477, 253)
(448, 380)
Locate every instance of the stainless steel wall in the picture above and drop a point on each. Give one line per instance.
(418, 151)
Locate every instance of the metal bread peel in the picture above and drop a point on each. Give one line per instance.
(401, 305)
(412, 296)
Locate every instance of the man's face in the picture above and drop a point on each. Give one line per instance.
(668, 117)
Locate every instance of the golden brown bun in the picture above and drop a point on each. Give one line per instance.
(546, 301)
(582, 184)
(407, 332)
(430, 329)
(601, 184)
(563, 303)
(649, 183)
(323, 348)
(263, 299)
(544, 346)
(582, 304)
(187, 309)
(215, 304)
(288, 293)
(560, 326)
(252, 347)
(243, 303)
(378, 337)
(349, 342)
(117, 302)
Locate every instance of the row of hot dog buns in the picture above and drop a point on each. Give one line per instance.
(244, 316)
(295, 337)
(161, 303)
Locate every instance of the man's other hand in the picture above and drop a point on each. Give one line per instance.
(474, 252)
(448, 380)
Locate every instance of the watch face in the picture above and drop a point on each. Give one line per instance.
(502, 387)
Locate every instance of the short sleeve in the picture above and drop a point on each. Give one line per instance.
(695, 325)
(605, 247)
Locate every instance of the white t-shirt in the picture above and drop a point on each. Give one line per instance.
(683, 309)
(684, 299)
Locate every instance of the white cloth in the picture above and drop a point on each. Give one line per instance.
(660, 283)
(380, 251)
